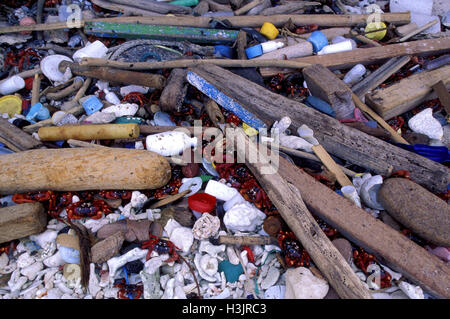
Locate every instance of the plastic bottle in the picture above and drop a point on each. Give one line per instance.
(338, 47)
(11, 85)
(266, 47)
(297, 50)
(318, 39)
(355, 74)
(111, 97)
(169, 143)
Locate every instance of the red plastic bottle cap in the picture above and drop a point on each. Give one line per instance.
(202, 202)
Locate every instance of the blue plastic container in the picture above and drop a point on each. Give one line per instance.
(92, 105)
(318, 40)
(224, 51)
(254, 51)
(38, 112)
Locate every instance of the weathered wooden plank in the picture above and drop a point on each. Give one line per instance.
(408, 93)
(348, 59)
(17, 137)
(338, 139)
(392, 248)
(289, 203)
(325, 20)
(22, 220)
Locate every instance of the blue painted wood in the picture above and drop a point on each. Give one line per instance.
(224, 100)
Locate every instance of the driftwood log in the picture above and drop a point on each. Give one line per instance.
(407, 93)
(116, 76)
(391, 247)
(89, 132)
(77, 169)
(16, 138)
(288, 200)
(343, 60)
(338, 139)
(172, 96)
(21, 220)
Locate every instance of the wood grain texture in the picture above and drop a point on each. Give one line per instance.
(392, 248)
(21, 220)
(288, 201)
(338, 139)
(18, 138)
(343, 60)
(77, 169)
(408, 93)
(89, 132)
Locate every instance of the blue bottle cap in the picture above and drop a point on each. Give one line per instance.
(318, 40)
(92, 105)
(39, 112)
(254, 51)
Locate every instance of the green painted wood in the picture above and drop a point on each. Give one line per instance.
(160, 32)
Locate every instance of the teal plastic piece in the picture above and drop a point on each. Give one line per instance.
(205, 178)
(186, 3)
(232, 272)
(129, 119)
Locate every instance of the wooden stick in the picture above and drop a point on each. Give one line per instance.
(390, 246)
(289, 203)
(363, 107)
(247, 7)
(36, 89)
(113, 75)
(331, 165)
(324, 20)
(75, 86)
(241, 43)
(155, 6)
(126, 9)
(227, 63)
(419, 30)
(311, 157)
(247, 240)
(344, 60)
(170, 199)
(379, 75)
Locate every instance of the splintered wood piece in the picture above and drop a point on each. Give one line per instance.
(443, 95)
(170, 199)
(329, 163)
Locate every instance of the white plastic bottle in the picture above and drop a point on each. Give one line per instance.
(169, 143)
(95, 49)
(111, 97)
(220, 190)
(11, 85)
(270, 46)
(355, 74)
(338, 47)
(297, 50)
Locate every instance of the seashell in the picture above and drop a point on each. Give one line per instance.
(369, 192)
(302, 284)
(243, 217)
(271, 278)
(207, 266)
(54, 261)
(206, 226)
(31, 271)
(72, 272)
(212, 250)
(43, 238)
(47, 251)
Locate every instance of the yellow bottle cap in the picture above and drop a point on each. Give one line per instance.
(269, 30)
(379, 35)
(10, 104)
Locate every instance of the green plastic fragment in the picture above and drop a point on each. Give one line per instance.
(186, 3)
(205, 178)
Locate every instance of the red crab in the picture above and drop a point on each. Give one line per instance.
(161, 246)
(135, 97)
(126, 289)
(84, 209)
(294, 254)
(115, 194)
